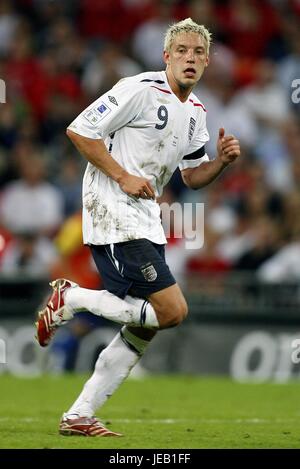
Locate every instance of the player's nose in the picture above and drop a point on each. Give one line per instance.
(191, 57)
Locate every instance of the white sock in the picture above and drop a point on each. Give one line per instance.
(131, 311)
(112, 367)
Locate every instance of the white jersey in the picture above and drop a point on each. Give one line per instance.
(149, 132)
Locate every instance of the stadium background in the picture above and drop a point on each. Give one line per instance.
(243, 285)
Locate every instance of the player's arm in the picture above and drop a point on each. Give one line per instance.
(95, 151)
(112, 111)
(228, 150)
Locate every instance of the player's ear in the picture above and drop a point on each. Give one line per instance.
(166, 57)
(207, 61)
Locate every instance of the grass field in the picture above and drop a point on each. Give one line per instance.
(155, 412)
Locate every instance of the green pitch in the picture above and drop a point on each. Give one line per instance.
(155, 412)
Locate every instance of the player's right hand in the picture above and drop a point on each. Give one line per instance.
(136, 186)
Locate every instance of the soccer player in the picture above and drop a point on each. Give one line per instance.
(134, 137)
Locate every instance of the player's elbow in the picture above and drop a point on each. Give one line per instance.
(194, 184)
(70, 134)
(187, 179)
(190, 184)
(186, 182)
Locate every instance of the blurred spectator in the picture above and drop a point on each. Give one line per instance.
(266, 237)
(218, 94)
(248, 25)
(106, 69)
(23, 73)
(104, 20)
(235, 243)
(289, 66)
(291, 210)
(265, 98)
(207, 260)
(147, 44)
(69, 182)
(75, 261)
(204, 12)
(245, 175)
(276, 151)
(5, 238)
(61, 40)
(28, 254)
(220, 215)
(8, 126)
(207, 263)
(31, 203)
(284, 266)
(8, 23)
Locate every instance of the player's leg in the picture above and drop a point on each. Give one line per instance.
(168, 309)
(139, 264)
(117, 360)
(121, 355)
(129, 311)
(137, 267)
(112, 367)
(169, 305)
(68, 298)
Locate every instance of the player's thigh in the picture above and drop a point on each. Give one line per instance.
(170, 306)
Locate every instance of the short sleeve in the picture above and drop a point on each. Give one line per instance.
(111, 111)
(197, 153)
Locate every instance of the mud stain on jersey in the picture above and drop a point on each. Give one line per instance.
(160, 146)
(160, 174)
(164, 176)
(99, 212)
(104, 219)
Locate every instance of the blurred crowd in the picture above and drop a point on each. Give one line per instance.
(56, 57)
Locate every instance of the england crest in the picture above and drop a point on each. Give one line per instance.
(149, 272)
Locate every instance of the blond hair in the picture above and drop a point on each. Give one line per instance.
(186, 26)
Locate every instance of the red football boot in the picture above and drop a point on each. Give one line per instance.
(55, 313)
(84, 426)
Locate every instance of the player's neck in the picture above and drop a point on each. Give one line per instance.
(181, 92)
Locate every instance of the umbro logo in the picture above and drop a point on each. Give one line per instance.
(113, 100)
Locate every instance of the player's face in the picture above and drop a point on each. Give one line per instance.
(187, 59)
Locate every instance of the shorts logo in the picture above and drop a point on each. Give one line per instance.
(113, 100)
(95, 115)
(149, 272)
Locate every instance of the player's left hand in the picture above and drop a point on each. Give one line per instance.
(228, 147)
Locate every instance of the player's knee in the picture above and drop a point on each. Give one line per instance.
(172, 315)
